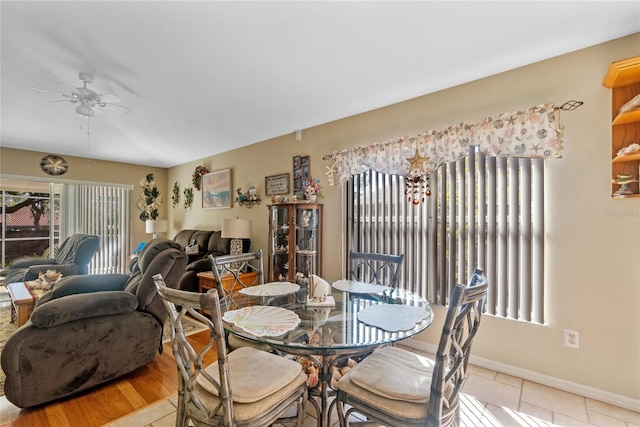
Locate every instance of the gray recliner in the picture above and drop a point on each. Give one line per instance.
(91, 329)
(73, 258)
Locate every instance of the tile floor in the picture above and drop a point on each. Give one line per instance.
(490, 399)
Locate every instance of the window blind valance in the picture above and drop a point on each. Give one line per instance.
(534, 133)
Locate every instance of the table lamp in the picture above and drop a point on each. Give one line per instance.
(156, 226)
(236, 230)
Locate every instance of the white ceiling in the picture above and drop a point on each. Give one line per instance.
(204, 77)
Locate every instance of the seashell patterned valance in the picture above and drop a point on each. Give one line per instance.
(534, 133)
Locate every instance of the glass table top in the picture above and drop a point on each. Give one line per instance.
(353, 322)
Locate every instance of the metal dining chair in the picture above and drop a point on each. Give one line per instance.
(231, 270)
(380, 269)
(231, 275)
(236, 390)
(399, 388)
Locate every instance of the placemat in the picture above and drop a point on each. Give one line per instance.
(261, 321)
(271, 289)
(355, 287)
(392, 317)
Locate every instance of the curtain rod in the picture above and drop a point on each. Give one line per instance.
(567, 106)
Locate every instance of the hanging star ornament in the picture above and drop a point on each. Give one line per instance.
(331, 171)
(417, 185)
(417, 161)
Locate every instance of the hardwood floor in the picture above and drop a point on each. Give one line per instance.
(103, 404)
(489, 399)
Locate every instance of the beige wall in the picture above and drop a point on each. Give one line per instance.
(27, 164)
(593, 243)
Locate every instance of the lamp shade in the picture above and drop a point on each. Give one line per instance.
(156, 226)
(236, 229)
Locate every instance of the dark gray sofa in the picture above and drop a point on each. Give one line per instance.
(91, 329)
(209, 243)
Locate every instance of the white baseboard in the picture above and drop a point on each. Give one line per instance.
(560, 384)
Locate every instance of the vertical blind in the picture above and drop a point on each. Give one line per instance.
(483, 212)
(104, 211)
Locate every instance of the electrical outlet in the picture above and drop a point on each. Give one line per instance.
(571, 338)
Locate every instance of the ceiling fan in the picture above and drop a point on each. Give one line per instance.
(87, 98)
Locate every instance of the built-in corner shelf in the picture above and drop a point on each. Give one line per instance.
(632, 157)
(628, 117)
(623, 78)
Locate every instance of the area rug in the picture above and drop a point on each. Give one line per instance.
(191, 327)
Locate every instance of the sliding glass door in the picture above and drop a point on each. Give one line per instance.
(37, 216)
(104, 211)
(30, 220)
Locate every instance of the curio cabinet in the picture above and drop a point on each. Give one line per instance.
(295, 241)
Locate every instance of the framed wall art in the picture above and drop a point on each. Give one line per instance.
(216, 190)
(301, 173)
(277, 184)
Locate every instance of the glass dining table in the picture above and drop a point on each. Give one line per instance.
(329, 335)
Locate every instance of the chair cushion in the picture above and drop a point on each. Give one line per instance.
(217, 244)
(396, 374)
(249, 411)
(184, 237)
(77, 249)
(202, 264)
(151, 251)
(417, 412)
(250, 381)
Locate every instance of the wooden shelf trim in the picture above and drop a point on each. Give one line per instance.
(625, 196)
(631, 157)
(623, 73)
(628, 117)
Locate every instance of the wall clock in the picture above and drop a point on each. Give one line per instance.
(53, 165)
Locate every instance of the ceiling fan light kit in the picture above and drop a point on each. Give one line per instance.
(84, 110)
(88, 98)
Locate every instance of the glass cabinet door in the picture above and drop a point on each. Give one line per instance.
(280, 223)
(295, 239)
(307, 241)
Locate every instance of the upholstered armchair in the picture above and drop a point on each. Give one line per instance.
(91, 329)
(73, 258)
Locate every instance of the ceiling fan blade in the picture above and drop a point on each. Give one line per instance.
(68, 86)
(51, 92)
(85, 96)
(109, 97)
(115, 108)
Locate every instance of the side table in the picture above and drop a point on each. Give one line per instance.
(23, 300)
(207, 280)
